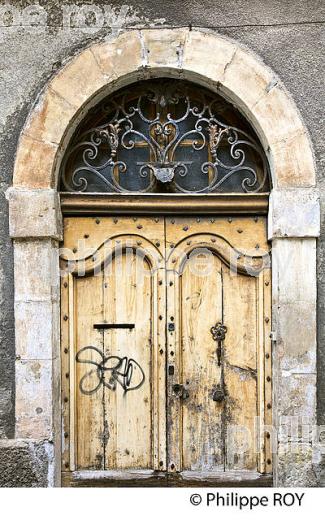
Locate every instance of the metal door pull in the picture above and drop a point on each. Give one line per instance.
(219, 333)
(114, 325)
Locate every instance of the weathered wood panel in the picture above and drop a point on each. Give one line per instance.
(119, 430)
(205, 434)
(89, 434)
(128, 299)
(201, 307)
(164, 479)
(240, 369)
(117, 413)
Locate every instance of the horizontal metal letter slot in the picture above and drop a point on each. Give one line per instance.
(114, 325)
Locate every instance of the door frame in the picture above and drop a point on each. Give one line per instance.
(35, 214)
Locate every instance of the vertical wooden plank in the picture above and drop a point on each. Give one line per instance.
(134, 293)
(201, 309)
(89, 420)
(110, 395)
(133, 407)
(195, 301)
(240, 369)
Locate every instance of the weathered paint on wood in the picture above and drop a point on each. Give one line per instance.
(117, 382)
(205, 434)
(89, 411)
(181, 285)
(201, 306)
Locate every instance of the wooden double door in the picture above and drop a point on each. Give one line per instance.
(166, 350)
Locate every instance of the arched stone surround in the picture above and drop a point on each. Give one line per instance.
(35, 220)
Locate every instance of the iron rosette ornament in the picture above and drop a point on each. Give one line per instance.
(165, 136)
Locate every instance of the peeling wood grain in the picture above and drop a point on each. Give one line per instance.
(122, 437)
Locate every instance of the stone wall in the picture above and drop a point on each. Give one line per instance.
(287, 35)
(25, 464)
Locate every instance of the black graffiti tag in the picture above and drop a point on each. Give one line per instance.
(123, 371)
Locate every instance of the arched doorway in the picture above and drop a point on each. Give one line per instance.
(214, 63)
(166, 317)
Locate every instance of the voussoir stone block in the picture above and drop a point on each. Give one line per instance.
(121, 56)
(79, 80)
(247, 77)
(292, 161)
(34, 163)
(163, 47)
(51, 117)
(207, 57)
(285, 139)
(276, 105)
(34, 213)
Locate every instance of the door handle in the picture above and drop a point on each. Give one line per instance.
(218, 332)
(218, 394)
(180, 391)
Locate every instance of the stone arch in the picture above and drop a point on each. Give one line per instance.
(203, 57)
(35, 219)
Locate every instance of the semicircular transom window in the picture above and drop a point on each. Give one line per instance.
(165, 136)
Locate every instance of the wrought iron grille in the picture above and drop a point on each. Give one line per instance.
(165, 136)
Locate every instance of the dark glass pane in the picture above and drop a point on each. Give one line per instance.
(132, 179)
(194, 179)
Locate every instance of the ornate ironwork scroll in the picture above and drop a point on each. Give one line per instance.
(165, 136)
